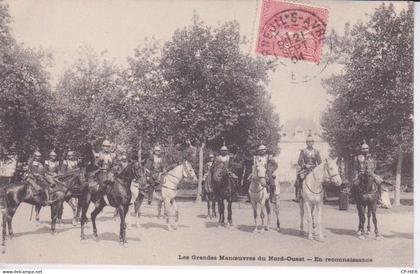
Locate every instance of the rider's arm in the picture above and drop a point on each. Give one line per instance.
(301, 160)
(318, 158)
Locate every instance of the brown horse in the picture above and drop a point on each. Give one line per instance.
(118, 194)
(366, 196)
(224, 189)
(22, 191)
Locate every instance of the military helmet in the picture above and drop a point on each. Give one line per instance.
(223, 148)
(261, 147)
(52, 153)
(70, 153)
(364, 146)
(157, 148)
(106, 143)
(123, 157)
(211, 155)
(310, 138)
(37, 153)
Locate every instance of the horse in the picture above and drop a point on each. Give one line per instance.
(366, 195)
(259, 196)
(166, 196)
(21, 191)
(208, 193)
(118, 194)
(140, 191)
(224, 189)
(312, 196)
(73, 181)
(3, 186)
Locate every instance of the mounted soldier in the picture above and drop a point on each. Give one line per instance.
(156, 166)
(365, 163)
(105, 160)
(36, 174)
(52, 165)
(309, 158)
(225, 159)
(70, 163)
(263, 169)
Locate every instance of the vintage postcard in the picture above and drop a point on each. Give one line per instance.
(207, 133)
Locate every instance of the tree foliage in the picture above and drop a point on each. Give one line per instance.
(373, 94)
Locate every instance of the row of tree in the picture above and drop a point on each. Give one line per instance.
(198, 89)
(373, 94)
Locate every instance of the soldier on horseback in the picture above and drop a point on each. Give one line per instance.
(156, 166)
(52, 165)
(366, 164)
(224, 158)
(70, 163)
(309, 158)
(263, 169)
(37, 172)
(105, 162)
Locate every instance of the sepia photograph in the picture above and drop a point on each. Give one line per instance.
(206, 133)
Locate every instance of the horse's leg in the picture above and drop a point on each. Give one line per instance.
(277, 212)
(3, 231)
(10, 213)
(309, 219)
(95, 213)
(302, 214)
(122, 210)
(208, 205)
(263, 215)
(375, 221)
(229, 210)
(84, 204)
(213, 205)
(54, 215)
(319, 222)
(369, 214)
(168, 211)
(37, 211)
(267, 206)
(360, 214)
(254, 209)
(175, 207)
(362, 222)
(137, 205)
(73, 208)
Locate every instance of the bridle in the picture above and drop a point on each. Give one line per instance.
(327, 169)
(184, 169)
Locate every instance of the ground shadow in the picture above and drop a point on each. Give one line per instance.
(42, 230)
(202, 216)
(246, 228)
(150, 225)
(212, 224)
(114, 237)
(103, 218)
(394, 234)
(292, 232)
(342, 231)
(407, 202)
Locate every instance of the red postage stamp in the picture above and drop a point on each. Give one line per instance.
(291, 30)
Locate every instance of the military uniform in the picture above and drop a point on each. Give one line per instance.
(263, 170)
(224, 159)
(309, 158)
(155, 166)
(365, 163)
(36, 171)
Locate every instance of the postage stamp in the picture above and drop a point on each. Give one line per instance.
(291, 30)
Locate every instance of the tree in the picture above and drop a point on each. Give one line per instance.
(26, 120)
(373, 95)
(89, 101)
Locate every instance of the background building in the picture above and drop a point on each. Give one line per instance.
(293, 137)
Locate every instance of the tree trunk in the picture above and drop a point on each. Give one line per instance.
(200, 172)
(397, 190)
(139, 151)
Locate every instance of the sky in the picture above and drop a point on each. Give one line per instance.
(62, 27)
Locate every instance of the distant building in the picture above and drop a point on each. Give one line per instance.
(293, 137)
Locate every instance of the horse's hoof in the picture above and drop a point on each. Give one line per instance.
(310, 237)
(321, 239)
(255, 231)
(359, 232)
(170, 228)
(378, 237)
(74, 222)
(266, 228)
(362, 237)
(302, 233)
(278, 229)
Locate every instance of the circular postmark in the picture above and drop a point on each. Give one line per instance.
(295, 35)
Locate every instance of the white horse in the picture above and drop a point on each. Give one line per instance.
(258, 195)
(166, 197)
(312, 196)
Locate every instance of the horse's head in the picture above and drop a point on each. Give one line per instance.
(332, 172)
(133, 171)
(188, 172)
